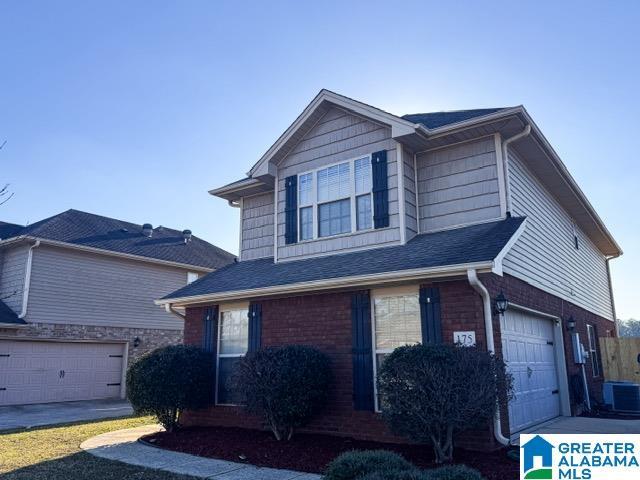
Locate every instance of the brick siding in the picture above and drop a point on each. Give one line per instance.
(324, 321)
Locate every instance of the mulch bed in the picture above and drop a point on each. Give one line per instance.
(310, 452)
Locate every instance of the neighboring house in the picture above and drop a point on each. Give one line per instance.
(362, 231)
(76, 302)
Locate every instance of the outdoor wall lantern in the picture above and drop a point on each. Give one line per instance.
(571, 324)
(136, 342)
(501, 303)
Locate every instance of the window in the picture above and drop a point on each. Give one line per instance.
(396, 322)
(593, 350)
(191, 277)
(233, 341)
(334, 218)
(329, 197)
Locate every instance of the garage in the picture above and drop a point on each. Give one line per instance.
(46, 371)
(528, 346)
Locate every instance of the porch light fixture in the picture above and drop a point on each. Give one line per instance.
(136, 342)
(571, 324)
(501, 303)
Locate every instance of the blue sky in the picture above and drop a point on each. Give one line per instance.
(135, 109)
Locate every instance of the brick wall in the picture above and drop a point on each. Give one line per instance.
(150, 338)
(324, 321)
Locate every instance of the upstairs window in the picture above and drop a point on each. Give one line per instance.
(335, 200)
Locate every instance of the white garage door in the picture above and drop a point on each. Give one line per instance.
(529, 352)
(40, 372)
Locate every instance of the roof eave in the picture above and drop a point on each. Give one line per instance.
(331, 284)
(102, 251)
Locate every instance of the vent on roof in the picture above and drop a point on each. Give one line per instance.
(186, 234)
(147, 230)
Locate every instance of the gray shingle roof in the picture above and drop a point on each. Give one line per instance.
(8, 230)
(440, 119)
(86, 229)
(8, 316)
(475, 243)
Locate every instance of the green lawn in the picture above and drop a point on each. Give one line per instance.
(53, 453)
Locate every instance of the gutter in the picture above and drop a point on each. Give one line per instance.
(169, 309)
(505, 162)
(331, 284)
(476, 284)
(27, 280)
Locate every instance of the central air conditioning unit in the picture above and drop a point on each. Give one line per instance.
(622, 396)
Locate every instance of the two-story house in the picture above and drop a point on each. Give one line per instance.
(362, 231)
(76, 302)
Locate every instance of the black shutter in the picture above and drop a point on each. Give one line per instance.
(380, 189)
(291, 209)
(255, 326)
(210, 329)
(430, 315)
(362, 354)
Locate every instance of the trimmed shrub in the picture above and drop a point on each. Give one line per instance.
(454, 472)
(397, 475)
(286, 386)
(170, 379)
(358, 463)
(431, 393)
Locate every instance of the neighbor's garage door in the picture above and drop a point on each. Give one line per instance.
(39, 372)
(528, 350)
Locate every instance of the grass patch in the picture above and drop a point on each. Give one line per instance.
(53, 453)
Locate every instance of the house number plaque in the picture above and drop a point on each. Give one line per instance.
(465, 339)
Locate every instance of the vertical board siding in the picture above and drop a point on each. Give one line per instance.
(410, 195)
(257, 227)
(458, 185)
(545, 255)
(339, 136)
(72, 287)
(12, 271)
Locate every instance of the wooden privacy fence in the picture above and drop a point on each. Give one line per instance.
(621, 358)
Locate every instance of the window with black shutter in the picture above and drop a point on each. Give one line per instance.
(255, 326)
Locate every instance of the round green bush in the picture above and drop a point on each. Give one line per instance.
(170, 379)
(286, 386)
(430, 393)
(396, 475)
(358, 463)
(454, 472)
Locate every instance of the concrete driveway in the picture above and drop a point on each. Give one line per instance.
(27, 416)
(584, 425)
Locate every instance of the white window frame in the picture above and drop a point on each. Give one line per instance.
(192, 277)
(221, 309)
(384, 293)
(593, 350)
(315, 203)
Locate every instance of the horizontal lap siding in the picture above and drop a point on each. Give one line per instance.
(458, 185)
(339, 136)
(257, 227)
(13, 263)
(80, 288)
(545, 255)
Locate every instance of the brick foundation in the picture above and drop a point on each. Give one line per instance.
(324, 321)
(150, 339)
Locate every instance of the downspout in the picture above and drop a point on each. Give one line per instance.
(169, 309)
(505, 162)
(477, 285)
(27, 280)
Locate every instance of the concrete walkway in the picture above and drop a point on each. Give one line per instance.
(123, 446)
(27, 416)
